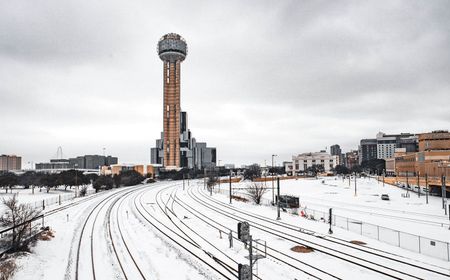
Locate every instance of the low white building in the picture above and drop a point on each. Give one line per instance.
(301, 162)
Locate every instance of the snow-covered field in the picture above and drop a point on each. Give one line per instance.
(40, 195)
(160, 231)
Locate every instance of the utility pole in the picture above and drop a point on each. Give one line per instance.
(230, 187)
(384, 174)
(418, 185)
(273, 188)
(250, 256)
(407, 184)
(443, 191)
(426, 186)
(356, 194)
(219, 173)
(278, 199)
(204, 178)
(183, 180)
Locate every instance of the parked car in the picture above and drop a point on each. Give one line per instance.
(385, 197)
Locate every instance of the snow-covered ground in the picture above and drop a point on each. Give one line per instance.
(40, 195)
(399, 213)
(160, 231)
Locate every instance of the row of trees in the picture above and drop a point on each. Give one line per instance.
(125, 178)
(69, 178)
(33, 179)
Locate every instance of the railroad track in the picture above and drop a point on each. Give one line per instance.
(295, 264)
(93, 216)
(187, 245)
(358, 256)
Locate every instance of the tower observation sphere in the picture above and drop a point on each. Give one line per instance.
(172, 49)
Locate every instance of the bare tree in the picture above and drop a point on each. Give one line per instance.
(19, 217)
(256, 192)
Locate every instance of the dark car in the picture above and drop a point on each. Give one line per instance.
(384, 197)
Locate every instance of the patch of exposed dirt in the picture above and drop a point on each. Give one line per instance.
(46, 235)
(302, 249)
(239, 198)
(7, 269)
(357, 242)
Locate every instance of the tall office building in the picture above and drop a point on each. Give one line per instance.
(387, 143)
(172, 49)
(335, 150)
(10, 162)
(367, 150)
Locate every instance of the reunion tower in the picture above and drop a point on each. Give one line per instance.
(172, 49)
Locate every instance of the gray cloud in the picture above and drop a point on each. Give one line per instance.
(260, 77)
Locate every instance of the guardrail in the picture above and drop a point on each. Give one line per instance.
(42, 203)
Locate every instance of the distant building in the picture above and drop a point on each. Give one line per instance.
(288, 168)
(367, 150)
(351, 159)
(432, 159)
(335, 150)
(193, 154)
(229, 166)
(92, 162)
(301, 162)
(387, 143)
(115, 169)
(10, 163)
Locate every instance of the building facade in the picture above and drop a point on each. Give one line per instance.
(301, 162)
(10, 163)
(91, 162)
(432, 159)
(193, 154)
(351, 159)
(387, 143)
(335, 150)
(367, 150)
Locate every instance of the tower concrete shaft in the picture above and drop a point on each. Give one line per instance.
(172, 49)
(172, 114)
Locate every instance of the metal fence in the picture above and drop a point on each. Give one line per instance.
(31, 229)
(416, 243)
(43, 203)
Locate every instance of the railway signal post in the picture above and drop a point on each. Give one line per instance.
(330, 220)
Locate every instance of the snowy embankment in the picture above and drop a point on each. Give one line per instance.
(165, 231)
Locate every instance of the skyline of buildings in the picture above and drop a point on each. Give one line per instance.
(90, 162)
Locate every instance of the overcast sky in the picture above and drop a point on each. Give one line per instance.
(260, 78)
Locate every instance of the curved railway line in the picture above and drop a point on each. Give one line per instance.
(357, 257)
